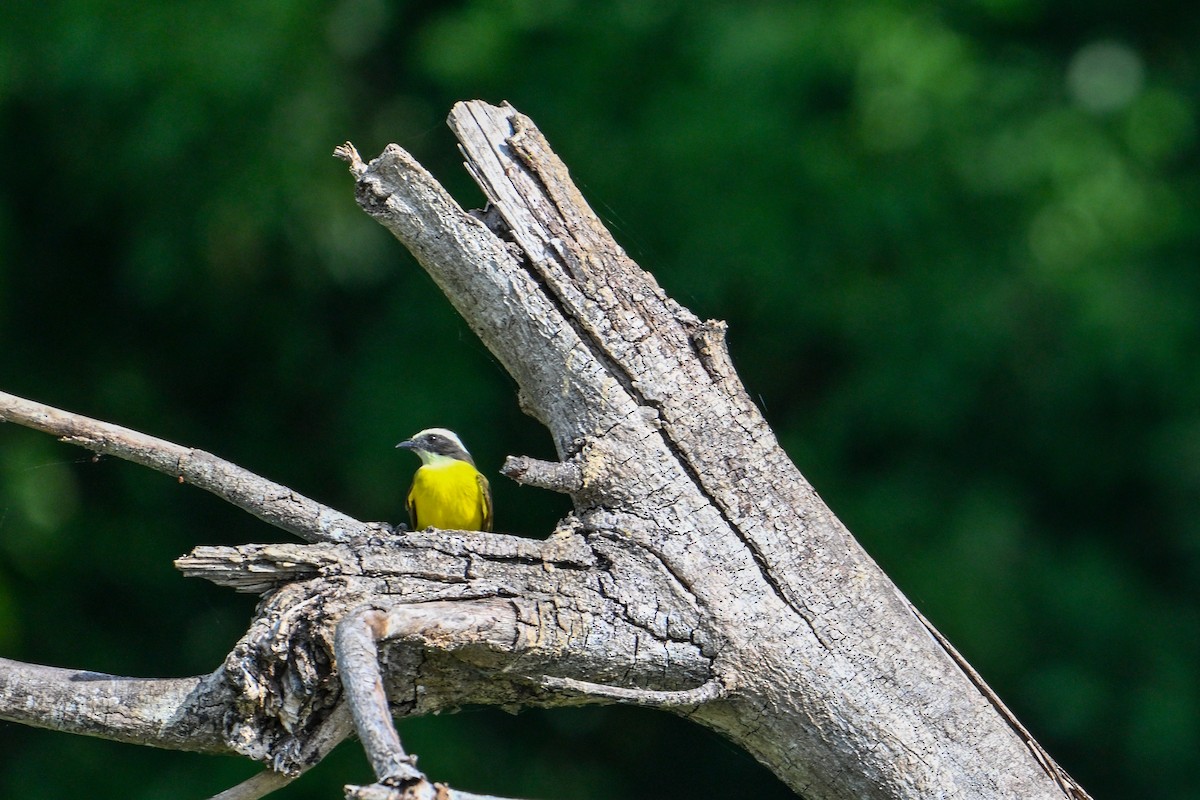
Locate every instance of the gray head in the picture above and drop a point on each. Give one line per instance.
(437, 445)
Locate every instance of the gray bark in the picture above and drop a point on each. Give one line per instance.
(699, 571)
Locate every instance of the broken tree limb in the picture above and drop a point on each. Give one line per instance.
(840, 688)
(699, 571)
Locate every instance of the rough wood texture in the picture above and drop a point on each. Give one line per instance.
(699, 571)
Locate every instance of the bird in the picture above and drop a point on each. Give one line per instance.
(447, 490)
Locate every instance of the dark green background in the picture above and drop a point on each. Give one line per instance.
(956, 244)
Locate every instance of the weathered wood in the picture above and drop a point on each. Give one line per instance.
(838, 686)
(699, 572)
(144, 711)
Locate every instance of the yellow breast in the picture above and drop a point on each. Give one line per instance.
(451, 495)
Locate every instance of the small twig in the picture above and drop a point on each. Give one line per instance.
(704, 693)
(348, 153)
(253, 788)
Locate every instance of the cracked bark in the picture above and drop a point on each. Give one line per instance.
(699, 572)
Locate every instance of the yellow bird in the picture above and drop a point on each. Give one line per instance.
(447, 491)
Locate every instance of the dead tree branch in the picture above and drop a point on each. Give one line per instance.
(268, 501)
(699, 572)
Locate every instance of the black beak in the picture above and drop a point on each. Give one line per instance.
(408, 444)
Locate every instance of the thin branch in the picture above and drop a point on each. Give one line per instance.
(358, 664)
(706, 692)
(449, 625)
(269, 501)
(332, 732)
(256, 787)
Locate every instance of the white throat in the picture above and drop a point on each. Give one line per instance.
(435, 460)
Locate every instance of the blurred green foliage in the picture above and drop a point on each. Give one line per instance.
(956, 243)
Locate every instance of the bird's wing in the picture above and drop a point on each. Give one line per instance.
(485, 499)
(412, 508)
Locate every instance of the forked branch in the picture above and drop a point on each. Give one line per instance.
(699, 572)
(503, 609)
